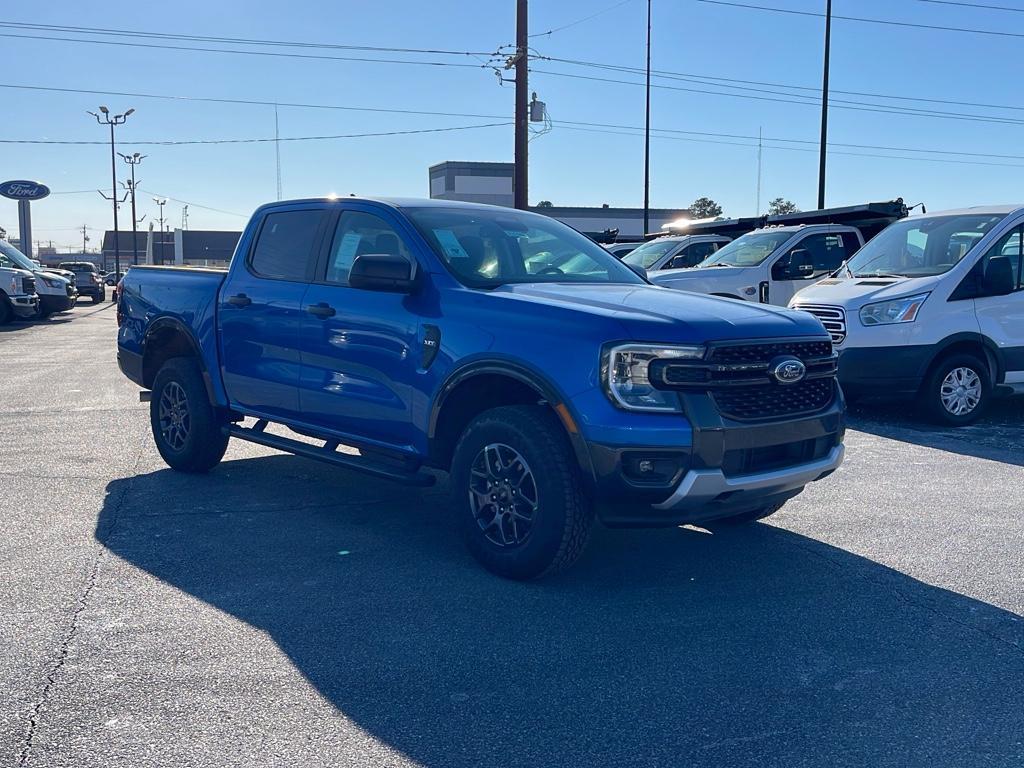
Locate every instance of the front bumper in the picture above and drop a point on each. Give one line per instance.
(54, 303)
(893, 371)
(24, 306)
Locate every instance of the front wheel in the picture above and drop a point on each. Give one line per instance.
(517, 493)
(185, 426)
(6, 313)
(957, 391)
(98, 298)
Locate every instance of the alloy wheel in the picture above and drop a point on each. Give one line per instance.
(503, 495)
(175, 420)
(960, 391)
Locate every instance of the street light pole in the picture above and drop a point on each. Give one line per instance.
(107, 119)
(133, 159)
(647, 131)
(161, 201)
(824, 107)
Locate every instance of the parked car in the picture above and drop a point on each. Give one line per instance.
(674, 251)
(931, 309)
(87, 278)
(111, 278)
(56, 293)
(767, 265)
(17, 291)
(415, 332)
(618, 250)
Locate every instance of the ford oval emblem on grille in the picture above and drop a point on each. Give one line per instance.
(787, 370)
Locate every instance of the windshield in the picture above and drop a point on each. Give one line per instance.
(648, 254)
(922, 247)
(16, 256)
(747, 251)
(486, 249)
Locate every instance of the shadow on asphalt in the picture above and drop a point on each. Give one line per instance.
(998, 436)
(23, 324)
(667, 647)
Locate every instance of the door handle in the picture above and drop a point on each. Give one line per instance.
(239, 300)
(321, 310)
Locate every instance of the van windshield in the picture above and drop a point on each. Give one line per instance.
(922, 247)
(19, 258)
(747, 251)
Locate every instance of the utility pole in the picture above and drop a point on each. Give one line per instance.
(85, 238)
(133, 159)
(647, 132)
(184, 218)
(757, 212)
(522, 131)
(161, 201)
(107, 119)
(277, 151)
(824, 107)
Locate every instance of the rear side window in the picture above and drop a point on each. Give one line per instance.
(284, 249)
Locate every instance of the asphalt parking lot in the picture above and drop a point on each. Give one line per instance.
(280, 612)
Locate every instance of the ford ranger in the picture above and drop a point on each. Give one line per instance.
(551, 382)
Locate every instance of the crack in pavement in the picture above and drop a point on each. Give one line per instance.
(65, 647)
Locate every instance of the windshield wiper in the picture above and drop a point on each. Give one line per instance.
(876, 274)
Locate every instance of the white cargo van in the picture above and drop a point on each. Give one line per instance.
(767, 265)
(932, 308)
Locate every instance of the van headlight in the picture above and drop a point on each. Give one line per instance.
(624, 374)
(894, 311)
(52, 282)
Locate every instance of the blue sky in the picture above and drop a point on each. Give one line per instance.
(567, 166)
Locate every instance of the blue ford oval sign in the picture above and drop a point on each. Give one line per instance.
(787, 370)
(24, 190)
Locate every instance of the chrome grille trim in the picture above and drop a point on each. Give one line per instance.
(833, 318)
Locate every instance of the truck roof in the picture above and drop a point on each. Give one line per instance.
(394, 202)
(995, 210)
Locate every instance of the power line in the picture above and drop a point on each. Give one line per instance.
(581, 21)
(797, 99)
(194, 204)
(232, 40)
(270, 139)
(983, 6)
(122, 43)
(861, 19)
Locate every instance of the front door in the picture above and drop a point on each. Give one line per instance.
(1001, 318)
(361, 349)
(260, 314)
(827, 250)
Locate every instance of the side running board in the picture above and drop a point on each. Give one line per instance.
(328, 453)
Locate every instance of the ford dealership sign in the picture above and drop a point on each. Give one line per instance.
(24, 190)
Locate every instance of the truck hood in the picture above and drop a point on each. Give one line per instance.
(855, 292)
(678, 277)
(650, 313)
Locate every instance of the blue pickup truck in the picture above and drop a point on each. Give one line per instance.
(551, 381)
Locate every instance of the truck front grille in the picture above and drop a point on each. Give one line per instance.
(28, 285)
(773, 401)
(833, 318)
(738, 378)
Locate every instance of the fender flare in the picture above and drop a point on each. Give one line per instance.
(174, 324)
(515, 370)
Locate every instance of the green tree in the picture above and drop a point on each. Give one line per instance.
(705, 208)
(781, 205)
(545, 204)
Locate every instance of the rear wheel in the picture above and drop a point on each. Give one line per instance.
(185, 426)
(97, 298)
(957, 390)
(517, 493)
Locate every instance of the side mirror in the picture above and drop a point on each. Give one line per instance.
(381, 272)
(801, 264)
(998, 280)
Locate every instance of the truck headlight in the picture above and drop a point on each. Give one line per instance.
(894, 311)
(625, 377)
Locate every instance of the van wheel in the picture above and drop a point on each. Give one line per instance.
(185, 426)
(957, 390)
(517, 493)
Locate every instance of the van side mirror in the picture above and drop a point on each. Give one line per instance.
(381, 272)
(998, 280)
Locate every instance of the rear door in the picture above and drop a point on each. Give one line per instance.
(1001, 318)
(260, 312)
(361, 349)
(827, 250)
(692, 255)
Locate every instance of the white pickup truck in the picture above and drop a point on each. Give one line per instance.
(17, 291)
(768, 265)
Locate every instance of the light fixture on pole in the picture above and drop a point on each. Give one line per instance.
(161, 201)
(112, 120)
(133, 159)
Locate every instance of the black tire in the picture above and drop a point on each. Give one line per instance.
(42, 314)
(559, 517)
(188, 435)
(98, 298)
(979, 380)
(744, 518)
(6, 313)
